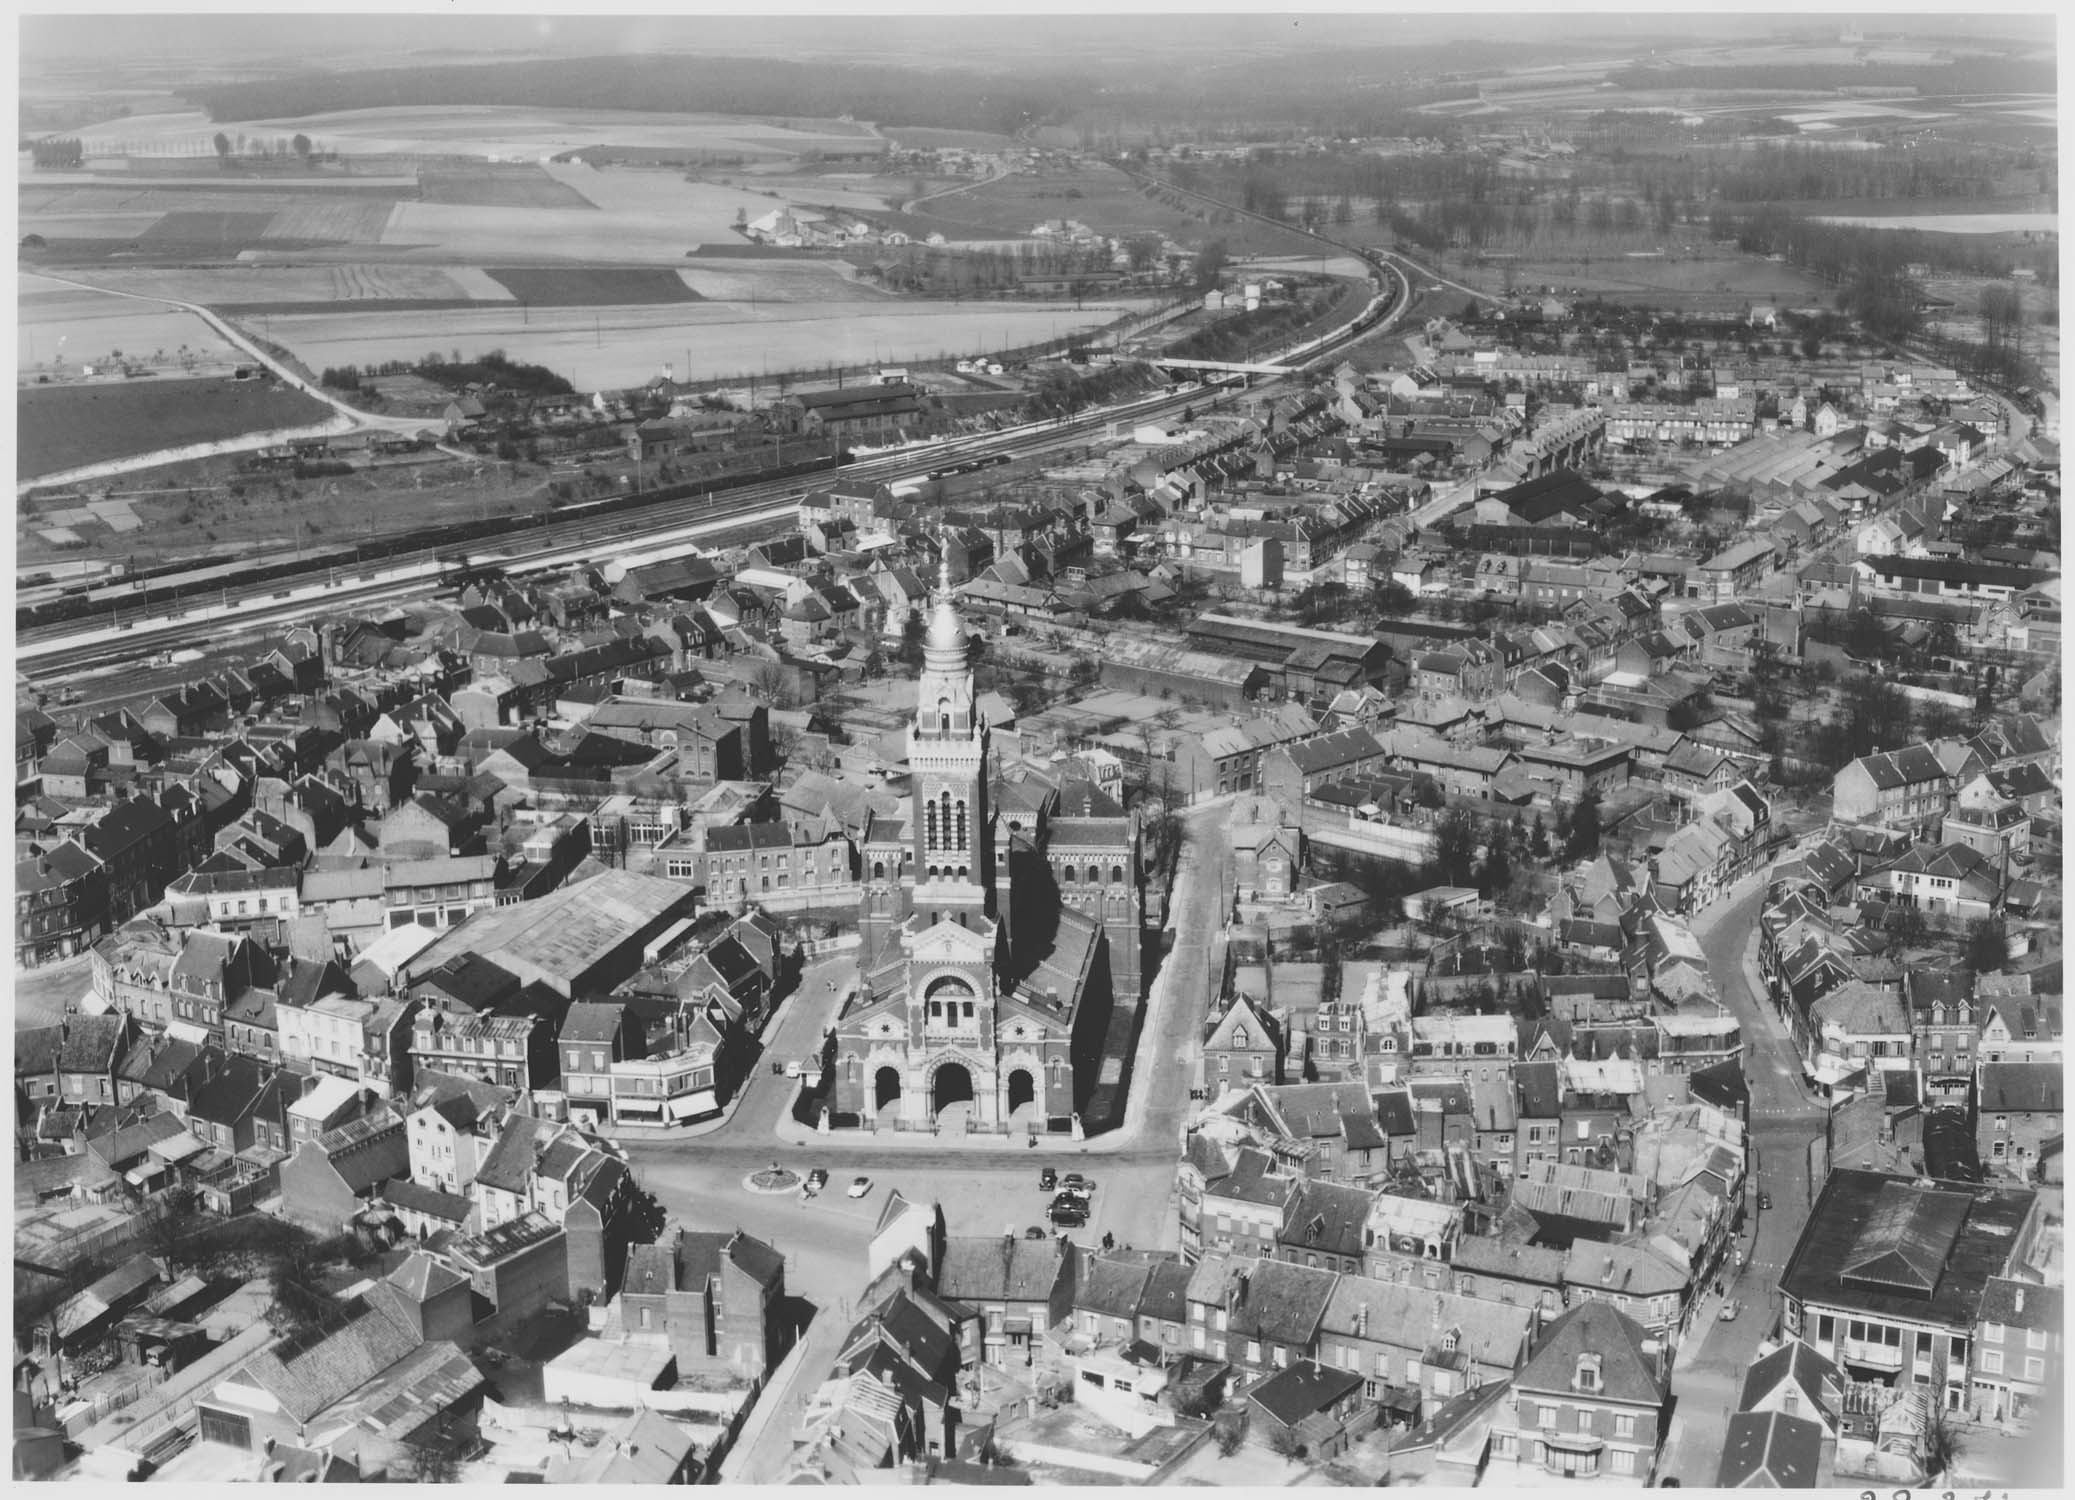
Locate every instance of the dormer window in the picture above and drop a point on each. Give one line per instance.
(1587, 1377)
(1239, 1036)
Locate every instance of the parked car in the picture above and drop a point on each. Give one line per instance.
(1076, 1183)
(1729, 1310)
(1068, 1215)
(1764, 1200)
(1035, 1232)
(818, 1178)
(1047, 1180)
(859, 1186)
(792, 1070)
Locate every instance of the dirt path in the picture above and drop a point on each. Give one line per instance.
(259, 355)
(964, 187)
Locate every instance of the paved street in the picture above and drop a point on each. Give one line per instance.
(986, 1186)
(1712, 1362)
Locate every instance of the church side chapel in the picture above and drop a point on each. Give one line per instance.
(1000, 924)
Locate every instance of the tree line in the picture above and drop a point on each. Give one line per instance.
(65, 152)
(456, 373)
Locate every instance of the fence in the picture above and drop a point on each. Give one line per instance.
(78, 1415)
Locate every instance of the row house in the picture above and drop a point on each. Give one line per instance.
(61, 904)
(2017, 1024)
(2017, 1118)
(1943, 1027)
(1415, 1348)
(1952, 880)
(1907, 788)
(1120, 1296)
(752, 859)
(514, 1051)
(1257, 1315)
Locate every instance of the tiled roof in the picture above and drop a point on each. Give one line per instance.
(307, 1377)
(1000, 1268)
(1594, 1328)
(1770, 1450)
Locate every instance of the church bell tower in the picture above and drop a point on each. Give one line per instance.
(952, 843)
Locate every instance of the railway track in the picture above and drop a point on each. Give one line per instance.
(59, 650)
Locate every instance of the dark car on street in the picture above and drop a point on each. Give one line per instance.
(1047, 1180)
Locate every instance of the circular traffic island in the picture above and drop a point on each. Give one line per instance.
(773, 1179)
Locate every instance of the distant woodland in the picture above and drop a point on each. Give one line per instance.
(719, 85)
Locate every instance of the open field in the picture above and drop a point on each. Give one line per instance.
(2023, 223)
(927, 138)
(65, 427)
(238, 285)
(521, 187)
(606, 347)
(581, 287)
(865, 192)
(95, 326)
(643, 216)
(1105, 200)
(1693, 282)
(496, 134)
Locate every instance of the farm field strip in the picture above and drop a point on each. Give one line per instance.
(606, 286)
(354, 220)
(232, 286)
(497, 132)
(601, 348)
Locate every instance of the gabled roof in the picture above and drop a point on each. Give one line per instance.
(1770, 1450)
(1802, 1365)
(307, 1376)
(1000, 1268)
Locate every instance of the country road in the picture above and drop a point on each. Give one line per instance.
(351, 415)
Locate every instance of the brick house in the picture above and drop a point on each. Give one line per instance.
(1589, 1404)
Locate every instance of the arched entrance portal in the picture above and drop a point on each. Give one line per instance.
(954, 1085)
(888, 1087)
(1022, 1089)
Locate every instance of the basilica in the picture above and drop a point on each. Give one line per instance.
(1000, 927)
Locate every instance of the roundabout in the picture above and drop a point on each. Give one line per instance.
(773, 1179)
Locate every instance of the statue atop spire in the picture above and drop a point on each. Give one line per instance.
(945, 648)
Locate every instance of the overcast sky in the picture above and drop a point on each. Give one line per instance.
(156, 33)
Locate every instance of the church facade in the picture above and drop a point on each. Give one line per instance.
(1000, 924)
